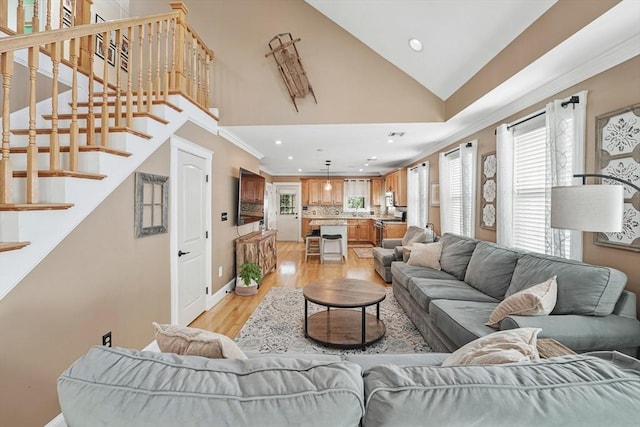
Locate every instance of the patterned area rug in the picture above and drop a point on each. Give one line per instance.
(364, 252)
(276, 326)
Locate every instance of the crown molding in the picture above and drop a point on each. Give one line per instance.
(238, 142)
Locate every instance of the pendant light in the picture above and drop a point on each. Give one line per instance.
(327, 185)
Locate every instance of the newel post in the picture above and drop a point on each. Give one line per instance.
(82, 15)
(179, 53)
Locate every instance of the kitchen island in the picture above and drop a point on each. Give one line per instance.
(333, 226)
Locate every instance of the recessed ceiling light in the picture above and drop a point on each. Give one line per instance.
(361, 170)
(373, 157)
(299, 170)
(390, 141)
(415, 44)
(366, 164)
(278, 142)
(290, 157)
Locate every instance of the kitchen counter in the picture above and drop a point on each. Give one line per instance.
(326, 222)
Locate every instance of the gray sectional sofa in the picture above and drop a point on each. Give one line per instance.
(450, 306)
(119, 387)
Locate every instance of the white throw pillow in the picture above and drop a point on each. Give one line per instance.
(538, 300)
(196, 342)
(426, 255)
(510, 346)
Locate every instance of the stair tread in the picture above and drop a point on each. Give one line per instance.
(12, 246)
(81, 148)
(60, 173)
(112, 129)
(67, 116)
(154, 102)
(34, 206)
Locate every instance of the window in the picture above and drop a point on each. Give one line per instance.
(418, 196)
(356, 195)
(458, 190)
(287, 204)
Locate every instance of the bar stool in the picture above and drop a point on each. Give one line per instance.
(331, 239)
(312, 244)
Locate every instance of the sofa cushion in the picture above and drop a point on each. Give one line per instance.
(115, 387)
(582, 288)
(537, 300)
(462, 321)
(195, 342)
(601, 393)
(414, 234)
(456, 253)
(490, 268)
(426, 255)
(426, 290)
(512, 346)
(384, 256)
(402, 272)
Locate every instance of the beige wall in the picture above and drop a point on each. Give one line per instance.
(608, 91)
(100, 278)
(352, 83)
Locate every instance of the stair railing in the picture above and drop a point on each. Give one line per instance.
(137, 62)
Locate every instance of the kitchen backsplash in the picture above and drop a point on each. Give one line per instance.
(336, 211)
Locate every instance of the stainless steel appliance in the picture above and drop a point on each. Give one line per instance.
(388, 199)
(379, 225)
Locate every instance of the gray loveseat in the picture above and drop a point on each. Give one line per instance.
(119, 387)
(449, 307)
(391, 249)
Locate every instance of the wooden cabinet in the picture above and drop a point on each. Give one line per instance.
(306, 227)
(304, 185)
(358, 230)
(392, 230)
(315, 192)
(396, 182)
(332, 197)
(376, 192)
(259, 248)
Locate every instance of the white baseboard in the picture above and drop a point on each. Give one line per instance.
(217, 297)
(58, 421)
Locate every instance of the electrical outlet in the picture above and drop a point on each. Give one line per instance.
(106, 339)
(220, 271)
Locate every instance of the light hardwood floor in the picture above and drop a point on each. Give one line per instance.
(229, 315)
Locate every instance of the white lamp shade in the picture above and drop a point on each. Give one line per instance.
(328, 186)
(587, 208)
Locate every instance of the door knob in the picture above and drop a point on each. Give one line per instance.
(180, 253)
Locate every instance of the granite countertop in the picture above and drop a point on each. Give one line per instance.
(334, 222)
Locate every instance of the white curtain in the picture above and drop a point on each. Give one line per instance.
(468, 156)
(357, 188)
(504, 201)
(564, 157)
(469, 166)
(445, 194)
(418, 192)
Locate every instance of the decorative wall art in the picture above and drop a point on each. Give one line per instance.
(151, 204)
(99, 53)
(489, 190)
(290, 67)
(618, 154)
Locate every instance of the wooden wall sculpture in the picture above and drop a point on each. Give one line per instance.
(288, 60)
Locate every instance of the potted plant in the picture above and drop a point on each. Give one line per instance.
(248, 279)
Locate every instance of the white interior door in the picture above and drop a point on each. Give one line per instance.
(288, 211)
(191, 255)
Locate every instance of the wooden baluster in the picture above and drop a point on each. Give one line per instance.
(140, 66)
(158, 61)
(35, 20)
(207, 81)
(60, 14)
(166, 61)
(194, 66)
(74, 51)
(118, 99)
(172, 83)
(129, 78)
(189, 65)
(149, 68)
(47, 24)
(6, 170)
(198, 96)
(20, 17)
(54, 140)
(180, 39)
(104, 114)
(91, 117)
(32, 149)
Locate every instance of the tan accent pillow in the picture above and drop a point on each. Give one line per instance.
(538, 300)
(510, 346)
(196, 342)
(426, 255)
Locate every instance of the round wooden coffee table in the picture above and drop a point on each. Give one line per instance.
(344, 328)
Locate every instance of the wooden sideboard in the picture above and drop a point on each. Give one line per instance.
(259, 248)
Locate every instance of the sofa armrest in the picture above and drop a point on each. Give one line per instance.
(582, 333)
(391, 243)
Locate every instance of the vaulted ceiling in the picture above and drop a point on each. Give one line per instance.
(481, 61)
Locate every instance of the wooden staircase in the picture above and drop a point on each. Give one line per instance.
(56, 166)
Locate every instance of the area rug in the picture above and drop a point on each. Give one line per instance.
(277, 326)
(364, 252)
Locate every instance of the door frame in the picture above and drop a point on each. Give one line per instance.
(181, 144)
(298, 185)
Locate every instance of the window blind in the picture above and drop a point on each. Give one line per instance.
(455, 190)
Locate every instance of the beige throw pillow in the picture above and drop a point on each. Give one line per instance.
(196, 342)
(510, 346)
(538, 300)
(426, 255)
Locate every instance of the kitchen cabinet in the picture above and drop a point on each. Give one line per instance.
(315, 192)
(304, 185)
(358, 230)
(376, 192)
(332, 197)
(396, 182)
(394, 230)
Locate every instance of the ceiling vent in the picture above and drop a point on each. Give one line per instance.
(392, 134)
